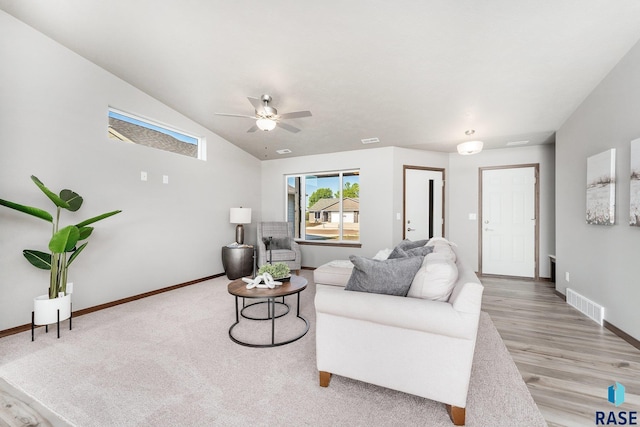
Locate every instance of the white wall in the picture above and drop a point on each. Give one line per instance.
(380, 194)
(463, 187)
(602, 260)
(53, 124)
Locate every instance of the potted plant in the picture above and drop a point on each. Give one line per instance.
(63, 250)
(278, 270)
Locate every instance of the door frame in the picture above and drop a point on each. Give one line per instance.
(536, 250)
(404, 194)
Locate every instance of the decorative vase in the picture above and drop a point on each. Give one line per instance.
(45, 310)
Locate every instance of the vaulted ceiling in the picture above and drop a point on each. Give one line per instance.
(410, 73)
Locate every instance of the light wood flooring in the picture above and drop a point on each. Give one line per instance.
(567, 360)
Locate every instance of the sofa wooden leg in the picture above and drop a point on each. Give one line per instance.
(325, 377)
(457, 415)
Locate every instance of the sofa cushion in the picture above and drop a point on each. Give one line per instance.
(435, 279)
(405, 245)
(391, 276)
(335, 273)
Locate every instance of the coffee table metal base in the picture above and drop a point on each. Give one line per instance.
(271, 315)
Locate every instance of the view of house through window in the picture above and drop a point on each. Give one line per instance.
(128, 128)
(325, 206)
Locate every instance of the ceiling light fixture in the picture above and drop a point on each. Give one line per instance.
(265, 124)
(470, 147)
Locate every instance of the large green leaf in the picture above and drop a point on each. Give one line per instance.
(39, 213)
(73, 199)
(96, 218)
(64, 240)
(76, 253)
(38, 259)
(50, 194)
(85, 232)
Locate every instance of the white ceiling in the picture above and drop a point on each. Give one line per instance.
(411, 73)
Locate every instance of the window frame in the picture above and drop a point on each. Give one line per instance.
(302, 201)
(163, 128)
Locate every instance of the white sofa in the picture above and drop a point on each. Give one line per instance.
(418, 346)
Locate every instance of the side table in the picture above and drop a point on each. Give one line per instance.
(293, 286)
(237, 261)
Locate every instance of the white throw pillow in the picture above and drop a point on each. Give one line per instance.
(435, 240)
(435, 279)
(383, 254)
(443, 248)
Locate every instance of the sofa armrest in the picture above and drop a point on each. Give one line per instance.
(403, 312)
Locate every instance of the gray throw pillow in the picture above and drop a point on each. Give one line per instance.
(389, 276)
(277, 243)
(408, 248)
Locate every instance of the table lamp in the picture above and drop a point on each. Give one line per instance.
(240, 216)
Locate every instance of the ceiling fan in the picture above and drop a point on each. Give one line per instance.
(267, 117)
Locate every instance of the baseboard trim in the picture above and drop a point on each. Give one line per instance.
(617, 331)
(622, 334)
(560, 294)
(27, 327)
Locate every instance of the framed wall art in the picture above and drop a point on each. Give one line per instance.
(634, 184)
(601, 188)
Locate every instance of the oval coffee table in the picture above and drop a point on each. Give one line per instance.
(294, 285)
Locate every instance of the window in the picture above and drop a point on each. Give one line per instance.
(127, 127)
(325, 207)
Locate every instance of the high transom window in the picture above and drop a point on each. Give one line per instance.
(324, 207)
(129, 128)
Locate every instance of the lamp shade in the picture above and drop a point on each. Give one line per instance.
(240, 216)
(265, 124)
(470, 147)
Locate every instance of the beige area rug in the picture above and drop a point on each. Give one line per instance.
(167, 360)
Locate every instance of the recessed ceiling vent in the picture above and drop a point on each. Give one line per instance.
(370, 140)
(283, 151)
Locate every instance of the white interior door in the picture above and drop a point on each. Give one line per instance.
(423, 195)
(509, 221)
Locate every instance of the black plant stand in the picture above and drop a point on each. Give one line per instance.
(46, 327)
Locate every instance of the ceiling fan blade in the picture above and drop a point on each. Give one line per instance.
(252, 129)
(295, 115)
(256, 102)
(288, 127)
(236, 115)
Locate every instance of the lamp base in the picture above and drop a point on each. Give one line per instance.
(239, 234)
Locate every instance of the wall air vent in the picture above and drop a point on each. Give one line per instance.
(370, 140)
(585, 306)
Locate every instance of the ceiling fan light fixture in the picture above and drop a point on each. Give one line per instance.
(470, 147)
(265, 124)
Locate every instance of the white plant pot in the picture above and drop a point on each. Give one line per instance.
(45, 310)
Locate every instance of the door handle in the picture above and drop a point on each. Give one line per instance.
(488, 229)
(411, 229)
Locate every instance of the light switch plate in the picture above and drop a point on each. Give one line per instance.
(143, 176)
(165, 179)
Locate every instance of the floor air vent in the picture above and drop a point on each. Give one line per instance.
(585, 306)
